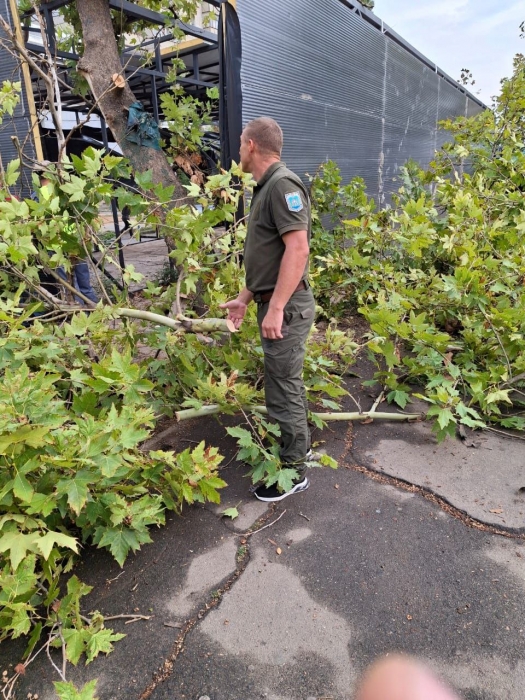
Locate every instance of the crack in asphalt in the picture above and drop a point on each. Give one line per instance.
(446, 506)
(244, 555)
(243, 559)
(428, 494)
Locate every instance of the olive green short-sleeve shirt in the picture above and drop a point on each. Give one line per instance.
(280, 204)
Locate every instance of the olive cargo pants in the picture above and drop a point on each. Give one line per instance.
(284, 389)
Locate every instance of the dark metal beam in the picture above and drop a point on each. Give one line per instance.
(158, 74)
(38, 48)
(54, 5)
(130, 9)
(198, 33)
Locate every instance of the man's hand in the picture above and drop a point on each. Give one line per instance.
(272, 324)
(236, 311)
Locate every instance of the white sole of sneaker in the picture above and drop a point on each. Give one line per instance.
(298, 488)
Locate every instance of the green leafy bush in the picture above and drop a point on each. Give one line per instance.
(71, 470)
(440, 275)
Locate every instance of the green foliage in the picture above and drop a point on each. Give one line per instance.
(440, 275)
(77, 401)
(186, 116)
(259, 449)
(67, 691)
(71, 468)
(9, 98)
(230, 513)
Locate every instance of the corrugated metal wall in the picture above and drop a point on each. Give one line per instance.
(342, 90)
(20, 123)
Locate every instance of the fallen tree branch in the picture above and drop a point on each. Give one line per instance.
(131, 618)
(189, 325)
(197, 325)
(377, 402)
(189, 413)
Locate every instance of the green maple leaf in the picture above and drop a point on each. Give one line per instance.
(20, 623)
(209, 492)
(285, 479)
(120, 541)
(231, 513)
(131, 436)
(76, 588)
(22, 488)
(17, 543)
(75, 644)
(76, 490)
(19, 583)
(27, 433)
(244, 437)
(75, 189)
(46, 543)
(67, 691)
(42, 504)
(101, 643)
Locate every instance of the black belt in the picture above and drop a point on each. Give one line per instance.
(264, 297)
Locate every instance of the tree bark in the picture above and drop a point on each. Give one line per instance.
(100, 61)
(189, 413)
(190, 325)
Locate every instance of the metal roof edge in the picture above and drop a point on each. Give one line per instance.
(371, 18)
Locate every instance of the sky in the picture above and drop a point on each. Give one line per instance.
(481, 35)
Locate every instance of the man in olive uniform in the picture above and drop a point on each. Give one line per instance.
(276, 261)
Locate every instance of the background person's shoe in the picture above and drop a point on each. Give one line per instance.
(272, 493)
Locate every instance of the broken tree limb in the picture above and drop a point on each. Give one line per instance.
(376, 403)
(188, 413)
(192, 325)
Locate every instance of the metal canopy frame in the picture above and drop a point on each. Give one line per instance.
(147, 82)
(201, 71)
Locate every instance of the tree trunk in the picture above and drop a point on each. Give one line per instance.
(100, 61)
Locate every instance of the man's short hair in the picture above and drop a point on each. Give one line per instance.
(267, 134)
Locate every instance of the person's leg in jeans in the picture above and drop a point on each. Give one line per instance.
(83, 281)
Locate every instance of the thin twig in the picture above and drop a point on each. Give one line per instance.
(502, 432)
(51, 660)
(509, 367)
(110, 580)
(95, 270)
(248, 534)
(128, 617)
(178, 305)
(64, 657)
(305, 517)
(377, 402)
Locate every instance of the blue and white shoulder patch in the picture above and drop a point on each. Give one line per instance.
(294, 201)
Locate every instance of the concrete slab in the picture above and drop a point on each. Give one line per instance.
(482, 481)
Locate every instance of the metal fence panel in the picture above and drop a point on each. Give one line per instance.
(323, 85)
(342, 90)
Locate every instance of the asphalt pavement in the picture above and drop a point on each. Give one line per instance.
(409, 546)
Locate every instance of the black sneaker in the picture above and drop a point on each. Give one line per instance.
(272, 493)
